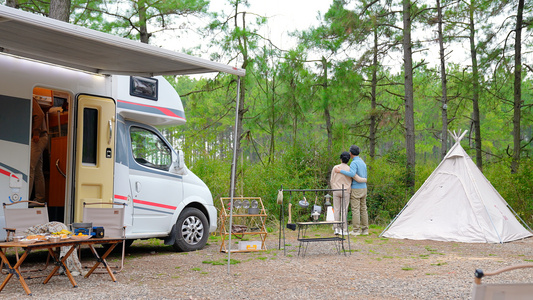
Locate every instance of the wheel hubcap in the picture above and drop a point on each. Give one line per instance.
(192, 230)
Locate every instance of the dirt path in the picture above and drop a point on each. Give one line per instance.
(375, 268)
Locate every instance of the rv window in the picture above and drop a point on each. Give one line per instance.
(143, 87)
(149, 149)
(90, 135)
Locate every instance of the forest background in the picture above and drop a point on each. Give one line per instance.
(366, 75)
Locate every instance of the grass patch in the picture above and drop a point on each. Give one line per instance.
(428, 248)
(262, 258)
(375, 226)
(221, 262)
(440, 264)
(407, 268)
(196, 269)
(212, 262)
(214, 238)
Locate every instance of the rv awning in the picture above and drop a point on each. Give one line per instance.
(48, 40)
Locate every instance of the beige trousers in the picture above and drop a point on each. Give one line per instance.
(339, 209)
(359, 210)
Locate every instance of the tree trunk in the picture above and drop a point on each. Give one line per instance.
(444, 99)
(144, 36)
(240, 118)
(373, 101)
(272, 121)
(60, 10)
(327, 115)
(475, 91)
(12, 3)
(295, 113)
(517, 105)
(243, 42)
(409, 97)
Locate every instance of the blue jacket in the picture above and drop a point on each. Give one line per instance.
(358, 167)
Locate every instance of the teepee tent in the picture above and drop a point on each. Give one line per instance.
(457, 203)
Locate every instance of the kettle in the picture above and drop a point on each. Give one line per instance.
(303, 203)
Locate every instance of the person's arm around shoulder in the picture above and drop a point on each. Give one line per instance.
(352, 172)
(359, 179)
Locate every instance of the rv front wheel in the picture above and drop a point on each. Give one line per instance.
(192, 230)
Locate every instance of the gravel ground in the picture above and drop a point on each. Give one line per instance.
(375, 268)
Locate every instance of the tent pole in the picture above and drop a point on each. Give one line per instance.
(233, 164)
(392, 222)
(514, 212)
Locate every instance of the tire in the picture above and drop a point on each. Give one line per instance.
(191, 231)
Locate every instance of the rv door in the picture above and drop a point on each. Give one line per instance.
(94, 152)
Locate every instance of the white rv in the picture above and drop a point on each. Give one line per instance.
(103, 143)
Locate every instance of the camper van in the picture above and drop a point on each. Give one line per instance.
(102, 126)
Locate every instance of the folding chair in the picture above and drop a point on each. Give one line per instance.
(111, 219)
(18, 220)
(501, 291)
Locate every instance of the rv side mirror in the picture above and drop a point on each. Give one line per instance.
(179, 162)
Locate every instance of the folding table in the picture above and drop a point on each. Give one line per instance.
(59, 263)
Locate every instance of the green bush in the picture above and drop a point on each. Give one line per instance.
(387, 192)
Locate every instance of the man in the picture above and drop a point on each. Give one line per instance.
(39, 141)
(358, 192)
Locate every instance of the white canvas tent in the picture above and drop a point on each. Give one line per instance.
(457, 203)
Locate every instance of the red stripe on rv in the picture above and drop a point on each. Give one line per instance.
(8, 174)
(165, 111)
(154, 204)
(4, 172)
(119, 197)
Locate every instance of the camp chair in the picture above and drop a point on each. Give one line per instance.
(514, 291)
(112, 219)
(20, 219)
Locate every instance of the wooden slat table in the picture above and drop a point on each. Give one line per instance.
(59, 263)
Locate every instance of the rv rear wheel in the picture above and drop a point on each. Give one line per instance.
(192, 230)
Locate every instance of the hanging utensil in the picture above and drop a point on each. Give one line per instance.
(316, 207)
(303, 203)
(290, 225)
